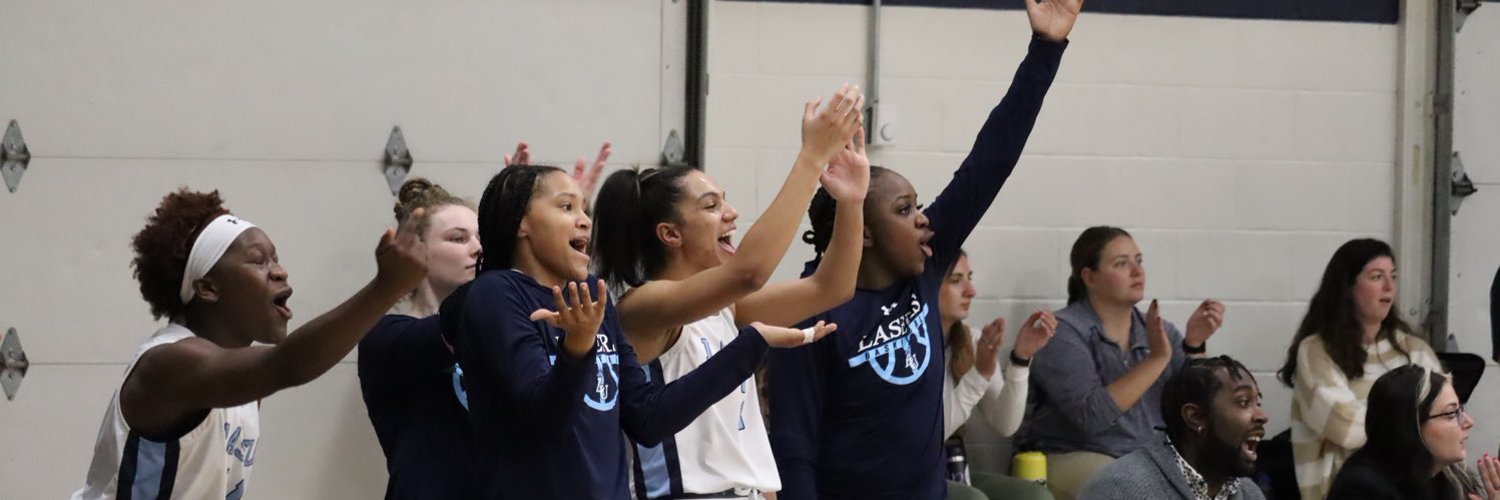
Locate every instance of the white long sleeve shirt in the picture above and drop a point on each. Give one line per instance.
(1001, 399)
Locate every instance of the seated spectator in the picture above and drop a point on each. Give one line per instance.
(1349, 337)
(1214, 424)
(973, 384)
(1416, 427)
(1096, 387)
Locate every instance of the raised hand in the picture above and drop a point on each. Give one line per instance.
(848, 176)
(1489, 475)
(1206, 320)
(1156, 333)
(587, 181)
(987, 350)
(580, 321)
(522, 156)
(825, 132)
(401, 256)
(781, 337)
(1053, 19)
(1035, 334)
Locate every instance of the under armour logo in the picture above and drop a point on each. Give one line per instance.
(886, 310)
(232, 220)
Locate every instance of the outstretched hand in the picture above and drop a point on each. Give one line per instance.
(791, 337)
(1053, 19)
(580, 321)
(848, 176)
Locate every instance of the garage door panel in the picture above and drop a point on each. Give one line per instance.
(290, 80)
(70, 291)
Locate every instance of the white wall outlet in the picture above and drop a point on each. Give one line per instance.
(883, 126)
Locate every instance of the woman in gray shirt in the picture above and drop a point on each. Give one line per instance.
(1096, 388)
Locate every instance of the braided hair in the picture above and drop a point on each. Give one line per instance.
(501, 209)
(822, 211)
(1196, 383)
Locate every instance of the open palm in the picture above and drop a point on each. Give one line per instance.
(848, 174)
(1053, 19)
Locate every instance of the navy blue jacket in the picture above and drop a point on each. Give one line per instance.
(859, 414)
(549, 426)
(416, 405)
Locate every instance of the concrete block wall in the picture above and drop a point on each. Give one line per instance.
(1240, 153)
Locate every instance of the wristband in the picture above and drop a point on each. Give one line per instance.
(1018, 361)
(1194, 350)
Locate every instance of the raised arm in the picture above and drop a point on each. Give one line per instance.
(657, 306)
(997, 147)
(174, 380)
(847, 180)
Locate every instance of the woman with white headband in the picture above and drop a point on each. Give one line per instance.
(184, 422)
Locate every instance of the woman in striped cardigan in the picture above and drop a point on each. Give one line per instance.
(1350, 336)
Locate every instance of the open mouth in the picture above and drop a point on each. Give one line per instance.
(580, 245)
(925, 245)
(1249, 446)
(280, 300)
(726, 242)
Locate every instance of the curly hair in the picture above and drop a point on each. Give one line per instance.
(162, 247)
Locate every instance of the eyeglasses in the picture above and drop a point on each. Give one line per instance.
(1455, 415)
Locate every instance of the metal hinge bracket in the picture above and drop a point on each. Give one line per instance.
(14, 156)
(13, 364)
(398, 160)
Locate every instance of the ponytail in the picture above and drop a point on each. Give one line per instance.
(1085, 255)
(626, 251)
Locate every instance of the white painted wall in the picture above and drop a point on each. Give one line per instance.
(1240, 153)
(285, 107)
(1475, 251)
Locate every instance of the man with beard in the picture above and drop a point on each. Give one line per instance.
(1214, 424)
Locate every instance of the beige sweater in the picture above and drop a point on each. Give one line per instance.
(1328, 409)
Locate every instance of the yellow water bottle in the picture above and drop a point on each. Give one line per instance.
(1031, 466)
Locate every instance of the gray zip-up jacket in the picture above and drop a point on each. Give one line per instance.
(1151, 472)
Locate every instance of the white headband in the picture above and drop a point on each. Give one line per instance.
(208, 248)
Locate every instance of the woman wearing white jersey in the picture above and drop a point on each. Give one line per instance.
(667, 235)
(184, 422)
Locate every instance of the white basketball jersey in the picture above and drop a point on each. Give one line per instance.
(209, 462)
(724, 448)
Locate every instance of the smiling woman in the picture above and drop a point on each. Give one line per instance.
(191, 392)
